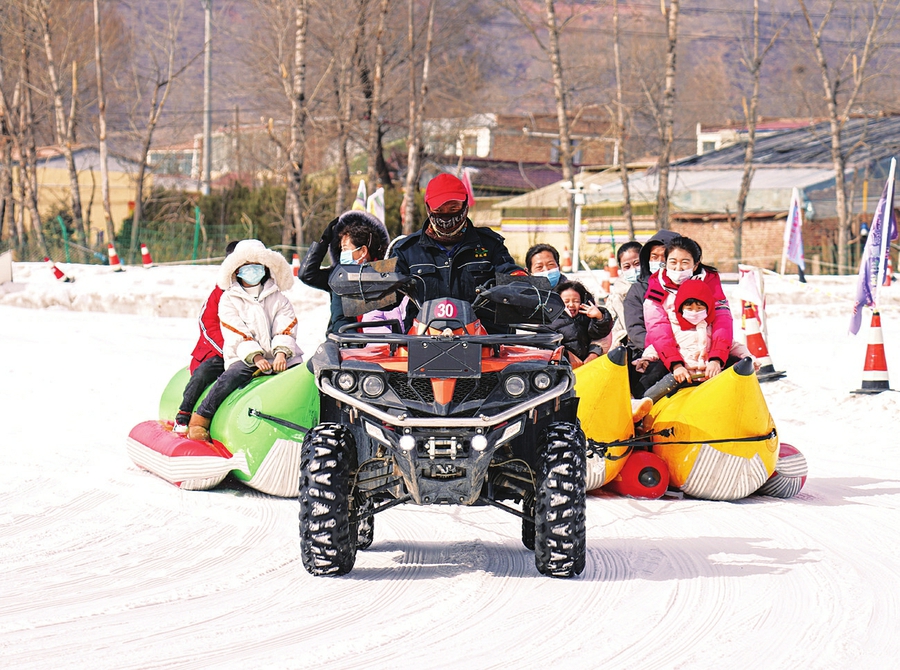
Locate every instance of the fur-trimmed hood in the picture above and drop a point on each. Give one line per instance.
(377, 229)
(254, 251)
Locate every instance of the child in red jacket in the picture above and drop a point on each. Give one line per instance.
(207, 363)
(697, 339)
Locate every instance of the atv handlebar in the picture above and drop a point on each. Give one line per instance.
(540, 340)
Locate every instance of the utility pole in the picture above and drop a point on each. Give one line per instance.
(207, 95)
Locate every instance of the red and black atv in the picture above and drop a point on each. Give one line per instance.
(446, 414)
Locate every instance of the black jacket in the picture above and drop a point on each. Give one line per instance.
(633, 305)
(456, 272)
(312, 274)
(578, 332)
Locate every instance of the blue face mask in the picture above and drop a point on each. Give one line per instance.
(630, 275)
(251, 275)
(347, 256)
(551, 275)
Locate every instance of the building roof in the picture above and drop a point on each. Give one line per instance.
(495, 177)
(552, 196)
(716, 189)
(86, 158)
(874, 140)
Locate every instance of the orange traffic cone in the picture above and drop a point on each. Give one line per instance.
(875, 372)
(890, 271)
(57, 272)
(295, 265)
(114, 259)
(756, 343)
(145, 256)
(566, 260)
(612, 265)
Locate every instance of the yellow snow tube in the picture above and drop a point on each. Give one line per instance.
(708, 417)
(604, 410)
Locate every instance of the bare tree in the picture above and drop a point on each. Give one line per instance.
(101, 121)
(65, 123)
(753, 62)
(551, 50)
(851, 70)
(418, 94)
(667, 125)
(27, 126)
(296, 93)
(343, 43)
(164, 48)
(620, 126)
(376, 167)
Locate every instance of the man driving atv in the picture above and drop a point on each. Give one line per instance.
(451, 257)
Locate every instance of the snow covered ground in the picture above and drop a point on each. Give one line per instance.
(107, 566)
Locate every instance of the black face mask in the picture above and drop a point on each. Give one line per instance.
(448, 226)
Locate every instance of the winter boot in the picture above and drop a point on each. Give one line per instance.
(182, 419)
(198, 428)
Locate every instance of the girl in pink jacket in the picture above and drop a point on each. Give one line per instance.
(661, 318)
(696, 335)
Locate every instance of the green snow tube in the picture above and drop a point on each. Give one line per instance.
(271, 449)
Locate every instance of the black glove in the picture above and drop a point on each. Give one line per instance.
(328, 233)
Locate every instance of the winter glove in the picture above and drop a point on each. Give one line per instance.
(328, 233)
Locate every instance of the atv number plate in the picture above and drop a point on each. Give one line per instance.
(436, 359)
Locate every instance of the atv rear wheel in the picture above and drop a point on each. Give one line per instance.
(559, 543)
(327, 536)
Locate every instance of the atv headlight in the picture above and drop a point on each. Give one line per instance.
(346, 381)
(514, 385)
(541, 381)
(372, 385)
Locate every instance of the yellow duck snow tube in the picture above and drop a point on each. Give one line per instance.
(605, 412)
(730, 445)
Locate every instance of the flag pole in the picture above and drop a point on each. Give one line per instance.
(885, 232)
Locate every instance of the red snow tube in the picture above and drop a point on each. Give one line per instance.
(186, 463)
(644, 476)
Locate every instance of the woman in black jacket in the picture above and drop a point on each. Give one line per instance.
(355, 237)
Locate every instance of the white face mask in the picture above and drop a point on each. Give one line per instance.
(679, 276)
(694, 317)
(655, 266)
(630, 275)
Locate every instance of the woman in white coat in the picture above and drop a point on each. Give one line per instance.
(258, 325)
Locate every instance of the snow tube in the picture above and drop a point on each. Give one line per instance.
(789, 476)
(644, 476)
(604, 410)
(260, 427)
(722, 443)
(189, 464)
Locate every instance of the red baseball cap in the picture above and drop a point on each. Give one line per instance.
(443, 188)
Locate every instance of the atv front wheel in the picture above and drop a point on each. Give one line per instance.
(559, 543)
(327, 536)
